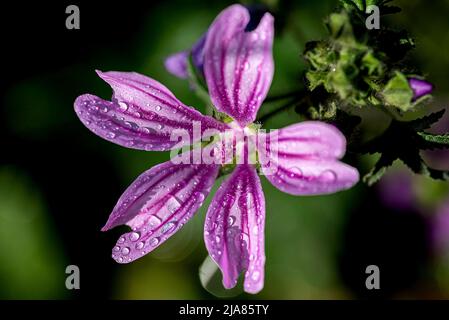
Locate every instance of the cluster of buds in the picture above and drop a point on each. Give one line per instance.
(361, 67)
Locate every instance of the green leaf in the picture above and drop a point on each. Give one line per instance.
(379, 169)
(427, 121)
(398, 93)
(433, 141)
(440, 139)
(404, 141)
(339, 27)
(372, 64)
(351, 4)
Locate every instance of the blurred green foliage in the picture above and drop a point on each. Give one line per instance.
(32, 263)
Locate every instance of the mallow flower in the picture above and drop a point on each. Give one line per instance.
(143, 114)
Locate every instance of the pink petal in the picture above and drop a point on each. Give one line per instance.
(142, 114)
(238, 65)
(176, 64)
(302, 159)
(234, 229)
(157, 204)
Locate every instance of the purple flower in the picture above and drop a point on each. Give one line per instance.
(238, 68)
(177, 63)
(420, 87)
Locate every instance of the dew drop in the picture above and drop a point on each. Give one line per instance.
(158, 108)
(169, 227)
(213, 226)
(295, 172)
(328, 176)
(200, 196)
(116, 248)
(134, 236)
(154, 221)
(125, 251)
(173, 204)
(231, 220)
(121, 240)
(154, 242)
(217, 239)
(123, 106)
(140, 245)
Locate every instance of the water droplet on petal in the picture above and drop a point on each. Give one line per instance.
(154, 242)
(123, 106)
(158, 108)
(125, 251)
(116, 248)
(169, 227)
(134, 236)
(154, 221)
(200, 196)
(231, 220)
(121, 240)
(173, 204)
(140, 245)
(328, 176)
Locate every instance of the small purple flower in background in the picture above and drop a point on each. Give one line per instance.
(420, 87)
(238, 69)
(177, 64)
